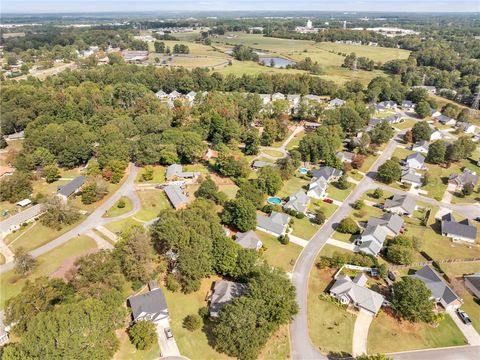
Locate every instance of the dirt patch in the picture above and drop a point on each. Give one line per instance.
(221, 180)
(67, 264)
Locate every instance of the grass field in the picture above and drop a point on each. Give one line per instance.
(115, 211)
(387, 334)
(277, 347)
(292, 185)
(158, 175)
(278, 255)
(339, 194)
(12, 284)
(152, 202)
(118, 226)
(304, 228)
(128, 351)
(273, 153)
(295, 141)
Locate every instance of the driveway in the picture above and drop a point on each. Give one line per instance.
(360, 333)
(168, 347)
(447, 195)
(468, 331)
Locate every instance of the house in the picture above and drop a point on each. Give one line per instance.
(472, 283)
(345, 156)
(294, 100)
(297, 202)
(134, 56)
(161, 95)
(191, 97)
(387, 105)
(336, 103)
(328, 173)
(71, 188)
(421, 147)
(445, 120)
(249, 240)
(176, 171)
(174, 95)
(313, 98)
(408, 105)
(393, 119)
(210, 154)
(278, 96)
(15, 136)
(308, 125)
(176, 196)
(400, 204)
(257, 164)
(275, 224)
(372, 239)
(24, 202)
(354, 291)
(441, 292)
(466, 127)
(466, 177)
(434, 113)
(150, 306)
(6, 171)
(392, 224)
(14, 222)
(430, 89)
(409, 176)
(415, 161)
(223, 293)
(436, 135)
(463, 230)
(266, 98)
(317, 188)
(374, 122)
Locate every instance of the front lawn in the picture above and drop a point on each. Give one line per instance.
(277, 347)
(229, 189)
(158, 175)
(11, 283)
(330, 326)
(329, 250)
(405, 124)
(118, 226)
(401, 153)
(295, 141)
(339, 194)
(277, 254)
(115, 211)
(128, 351)
(152, 202)
(304, 228)
(387, 334)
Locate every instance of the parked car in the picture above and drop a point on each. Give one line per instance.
(328, 201)
(391, 276)
(168, 333)
(464, 317)
(477, 218)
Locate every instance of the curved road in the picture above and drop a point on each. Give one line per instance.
(95, 219)
(301, 345)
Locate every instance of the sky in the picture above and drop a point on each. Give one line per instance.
(92, 6)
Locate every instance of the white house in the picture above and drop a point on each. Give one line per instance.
(278, 96)
(317, 188)
(266, 98)
(421, 147)
(436, 135)
(466, 127)
(150, 306)
(461, 231)
(415, 161)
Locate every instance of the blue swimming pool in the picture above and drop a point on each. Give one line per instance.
(274, 200)
(303, 170)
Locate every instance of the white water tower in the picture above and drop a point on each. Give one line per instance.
(309, 24)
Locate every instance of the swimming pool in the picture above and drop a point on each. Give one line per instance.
(274, 200)
(303, 170)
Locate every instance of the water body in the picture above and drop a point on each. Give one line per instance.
(278, 62)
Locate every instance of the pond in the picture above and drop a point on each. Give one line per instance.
(278, 62)
(274, 200)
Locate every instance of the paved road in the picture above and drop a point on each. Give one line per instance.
(95, 219)
(453, 353)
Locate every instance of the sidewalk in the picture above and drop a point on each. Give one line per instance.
(296, 240)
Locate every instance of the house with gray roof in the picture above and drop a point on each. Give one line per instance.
(415, 161)
(258, 164)
(161, 95)
(392, 223)
(14, 222)
(409, 176)
(336, 103)
(372, 239)
(445, 120)
(249, 240)
(15, 136)
(393, 119)
(278, 96)
(72, 187)
(317, 188)
(224, 292)
(464, 230)
(472, 283)
(294, 100)
(421, 147)
(349, 291)
(328, 173)
(275, 224)
(441, 292)
(313, 98)
(408, 105)
(150, 306)
(400, 204)
(466, 128)
(266, 98)
(345, 156)
(466, 177)
(308, 125)
(430, 89)
(175, 171)
(176, 196)
(386, 105)
(298, 202)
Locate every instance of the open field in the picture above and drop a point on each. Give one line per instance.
(158, 175)
(387, 334)
(118, 226)
(279, 255)
(152, 202)
(12, 284)
(277, 347)
(115, 211)
(339, 194)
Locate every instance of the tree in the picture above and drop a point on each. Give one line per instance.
(399, 254)
(250, 190)
(460, 149)
(43, 157)
(51, 173)
(374, 357)
(57, 213)
(358, 205)
(408, 137)
(135, 253)
(389, 171)
(348, 226)
(252, 142)
(192, 322)
(377, 193)
(24, 262)
(225, 253)
(422, 109)
(116, 169)
(411, 299)
(342, 182)
(147, 173)
(421, 131)
(358, 161)
(436, 152)
(320, 217)
(241, 214)
(269, 180)
(467, 189)
(143, 334)
(228, 165)
(94, 191)
(381, 133)
(159, 46)
(16, 187)
(3, 143)
(209, 190)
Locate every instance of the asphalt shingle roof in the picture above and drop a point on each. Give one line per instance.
(72, 186)
(439, 288)
(224, 292)
(152, 302)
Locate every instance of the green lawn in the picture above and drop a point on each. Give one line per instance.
(152, 202)
(273, 153)
(292, 185)
(348, 238)
(278, 255)
(118, 226)
(158, 175)
(229, 189)
(405, 124)
(295, 141)
(459, 269)
(328, 209)
(35, 235)
(115, 211)
(329, 250)
(401, 153)
(439, 177)
(128, 351)
(339, 194)
(471, 305)
(369, 160)
(304, 228)
(12, 284)
(329, 325)
(387, 334)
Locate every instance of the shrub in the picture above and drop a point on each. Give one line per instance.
(203, 312)
(348, 226)
(300, 215)
(359, 204)
(320, 217)
(378, 193)
(192, 322)
(172, 283)
(284, 239)
(121, 204)
(143, 334)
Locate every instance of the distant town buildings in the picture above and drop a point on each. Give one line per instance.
(389, 31)
(308, 29)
